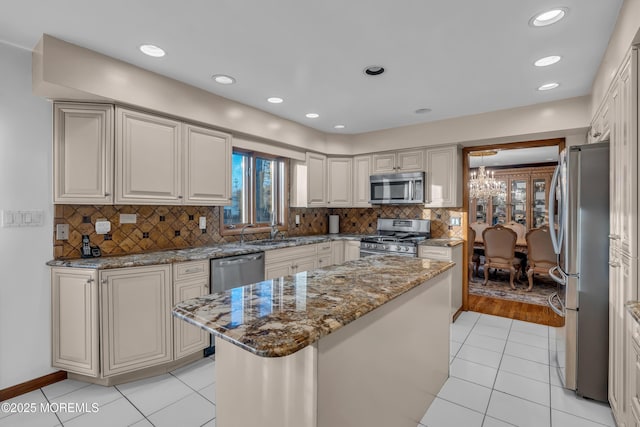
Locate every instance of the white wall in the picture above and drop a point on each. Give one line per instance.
(25, 183)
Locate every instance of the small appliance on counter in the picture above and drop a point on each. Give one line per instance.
(88, 251)
(334, 224)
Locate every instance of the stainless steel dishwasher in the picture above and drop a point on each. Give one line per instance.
(231, 272)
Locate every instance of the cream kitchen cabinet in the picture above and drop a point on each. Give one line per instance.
(162, 161)
(148, 159)
(287, 261)
(351, 250)
(399, 161)
(634, 368)
(316, 180)
(136, 321)
(443, 177)
(83, 153)
(207, 166)
(453, 254)
(75, 344)
(601, 125)
(325, 254)
(337, 252)
(361, 187)
(190, 280)
(339, 181)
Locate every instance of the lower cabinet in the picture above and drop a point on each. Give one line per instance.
(351, 250)
(106, 323)
(445, 253)
(325, 254)
(337, 252)
(135, 318)
(287, 261)
(634, 372)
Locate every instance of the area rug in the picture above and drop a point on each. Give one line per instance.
(498, 287)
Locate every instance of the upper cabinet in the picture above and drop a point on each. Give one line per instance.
(400, 161)
(361, 173)
(161, 161)
(207, 166)
(316, 181)
(443, 177)
(148, 163)
(339, 185)
(83, 153)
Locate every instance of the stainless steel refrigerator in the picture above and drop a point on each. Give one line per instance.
(580, 192)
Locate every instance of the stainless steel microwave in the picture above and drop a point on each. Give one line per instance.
(397, 188)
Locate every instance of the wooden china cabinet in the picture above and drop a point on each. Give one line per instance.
(526, 200)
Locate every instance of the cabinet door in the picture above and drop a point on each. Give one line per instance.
(518, 201)
(339, 175)
(305, 264)
(274, 270)
(384, 163)
(135, 318)
(337, 252)
(207, 166)
(316, 180)
(148, 159)
(443, 173)
(351, 250)
(616, 338)
(83, 153)
(188, 338)
(74, 317)
(410, 161)
(361, 187)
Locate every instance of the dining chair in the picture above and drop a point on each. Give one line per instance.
(540, 254)
(499, 251)
(478, 227)
(474, 258)
(520, 230)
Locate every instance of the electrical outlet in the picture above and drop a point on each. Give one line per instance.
(128, 218)
(103, 226)
(455, 221)
(297, 219)
(62, 231)
(202, 223)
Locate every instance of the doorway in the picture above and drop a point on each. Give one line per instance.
(508, 185)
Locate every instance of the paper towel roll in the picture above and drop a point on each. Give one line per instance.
(334, 224)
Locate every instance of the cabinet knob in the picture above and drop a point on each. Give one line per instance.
(596, 134)
(179, 197)
(104, 281)
(614, 264)
(90, 280)
(614, 237)
(107, 194)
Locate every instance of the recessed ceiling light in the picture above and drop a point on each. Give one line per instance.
(275, 100)
(549, 17)
(223, 79)
(312, 115)
(549, 86)
(374, 70)
(422, 110)
(547, 60)
(339, 127)
(151, 50)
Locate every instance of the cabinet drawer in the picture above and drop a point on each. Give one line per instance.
(290, 253)
(190, 270)
(324, 249)
(435, 252)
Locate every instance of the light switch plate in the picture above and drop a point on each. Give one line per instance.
(202, 223)
(455, 221)
(62, 231)
(297, 219)
(128, 218)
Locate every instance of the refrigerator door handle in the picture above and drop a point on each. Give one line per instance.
(559, 311)
(560, 278)
(556, 238)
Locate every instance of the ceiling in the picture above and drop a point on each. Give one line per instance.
(455, 57)
(519, 156)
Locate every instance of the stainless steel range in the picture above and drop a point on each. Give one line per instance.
(396, 237)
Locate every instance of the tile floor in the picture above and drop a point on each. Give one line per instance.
(502, 374)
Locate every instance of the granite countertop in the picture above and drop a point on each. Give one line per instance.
(278, 317)
(194, 254)
(633, 307)
(450, 242)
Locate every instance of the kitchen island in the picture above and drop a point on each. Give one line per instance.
(365, 343)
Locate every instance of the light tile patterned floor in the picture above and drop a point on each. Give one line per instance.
(501, 375)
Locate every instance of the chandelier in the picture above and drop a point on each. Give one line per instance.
(482, 184)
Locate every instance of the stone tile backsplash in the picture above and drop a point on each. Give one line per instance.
(176, 227)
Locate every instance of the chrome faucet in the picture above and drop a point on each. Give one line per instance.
(242, 232)
(274, 230)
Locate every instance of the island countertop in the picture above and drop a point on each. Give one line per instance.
(278, 317)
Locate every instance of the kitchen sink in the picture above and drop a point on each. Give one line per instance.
(270, 242)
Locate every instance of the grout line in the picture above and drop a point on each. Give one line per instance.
(48, 401)
(132, 404)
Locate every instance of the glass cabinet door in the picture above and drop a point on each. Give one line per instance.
(499, 209)
(481, 207)
(540, 214)
(519, 201)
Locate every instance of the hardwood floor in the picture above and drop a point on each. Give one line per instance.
(515, 310)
